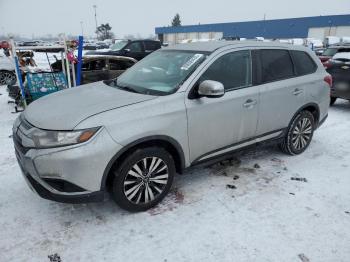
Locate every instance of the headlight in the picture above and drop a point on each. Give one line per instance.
(46, 139)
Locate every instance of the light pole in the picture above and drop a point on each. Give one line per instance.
(82, 28)
(95, 7)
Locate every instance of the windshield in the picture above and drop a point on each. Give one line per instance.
(160, 73)
(330, 52)
(119, 45)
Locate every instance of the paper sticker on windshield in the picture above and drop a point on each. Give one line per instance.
(192, 61)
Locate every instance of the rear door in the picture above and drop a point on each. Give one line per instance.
(281, 92)
(94, 70)
(216, 125)
(135, 50)
(151, 46)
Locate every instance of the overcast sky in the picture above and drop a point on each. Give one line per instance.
(39, 17)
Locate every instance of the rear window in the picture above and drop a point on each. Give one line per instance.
(276, 65)
(303, 63)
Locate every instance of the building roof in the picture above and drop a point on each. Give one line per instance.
(279, 28)
(211, 46)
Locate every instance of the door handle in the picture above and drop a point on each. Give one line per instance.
(250, 103)
(297, 91)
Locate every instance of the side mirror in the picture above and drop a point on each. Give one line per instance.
(127, 50)
(210, 88)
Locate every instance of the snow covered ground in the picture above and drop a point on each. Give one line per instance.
(264, 216)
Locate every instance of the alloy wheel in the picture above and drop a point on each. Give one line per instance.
(302, 133)
(7, 78)
(146, 180)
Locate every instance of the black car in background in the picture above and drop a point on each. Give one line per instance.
(339, 68)
(136, 49)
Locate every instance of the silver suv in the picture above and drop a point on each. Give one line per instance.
(178, 107)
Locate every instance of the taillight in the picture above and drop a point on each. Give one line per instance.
(329, 80)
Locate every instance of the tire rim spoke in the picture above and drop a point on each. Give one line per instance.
(146, 180)
(302, 133)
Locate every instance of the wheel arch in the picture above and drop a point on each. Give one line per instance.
(313, 108)
(171, 145)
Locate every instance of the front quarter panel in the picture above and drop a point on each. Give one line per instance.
(163, 116)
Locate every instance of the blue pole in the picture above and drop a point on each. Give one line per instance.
(19, 76)
(80, 56)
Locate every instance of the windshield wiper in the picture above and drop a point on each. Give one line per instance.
(126, 88)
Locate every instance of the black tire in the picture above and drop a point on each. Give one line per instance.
(292, 143)
(7, 77)
(332, 101)
(133, 192)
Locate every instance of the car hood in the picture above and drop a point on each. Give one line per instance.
(64, 110)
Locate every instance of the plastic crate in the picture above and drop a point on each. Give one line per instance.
(41, 84)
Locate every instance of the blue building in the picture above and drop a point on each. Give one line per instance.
(314, 27)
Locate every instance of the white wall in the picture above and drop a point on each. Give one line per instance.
(182, 37)
(322, 32)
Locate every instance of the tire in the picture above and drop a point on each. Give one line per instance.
(299, 134)
(7, 77)
(136, 188)
(332, 101)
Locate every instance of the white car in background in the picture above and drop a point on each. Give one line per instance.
(7, 70)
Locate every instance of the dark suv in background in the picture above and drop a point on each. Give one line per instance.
(136, 49)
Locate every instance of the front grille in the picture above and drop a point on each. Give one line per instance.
(18, 145)
(17, 140)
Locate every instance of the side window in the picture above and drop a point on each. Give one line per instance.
(135, 47)
(276, 65)
(94, 65)
(151, 45)
(233, 70)
(303, 63)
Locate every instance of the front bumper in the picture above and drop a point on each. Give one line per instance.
(71, 174)
(44, 190)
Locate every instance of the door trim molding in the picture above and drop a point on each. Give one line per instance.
(233, 147)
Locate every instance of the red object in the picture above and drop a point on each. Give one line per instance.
(4, 44)
(71, 57)
(329, 80)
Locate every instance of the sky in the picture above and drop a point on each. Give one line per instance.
(33, 18)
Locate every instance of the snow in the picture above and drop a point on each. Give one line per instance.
(266, 217)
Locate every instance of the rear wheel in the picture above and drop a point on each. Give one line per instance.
(299, 134)
(7, 78)
(332, 101)
(143, 179)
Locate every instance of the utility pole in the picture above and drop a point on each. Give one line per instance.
(95, 7)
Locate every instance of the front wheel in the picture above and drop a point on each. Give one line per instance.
(299, 134)
(143, 179)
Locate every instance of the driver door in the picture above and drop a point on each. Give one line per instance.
(216, 125)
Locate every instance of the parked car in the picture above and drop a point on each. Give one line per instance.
(332, 50)
(339, 68)
(7, 70)
(136, 49)
(103, 67)
(179, 107)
